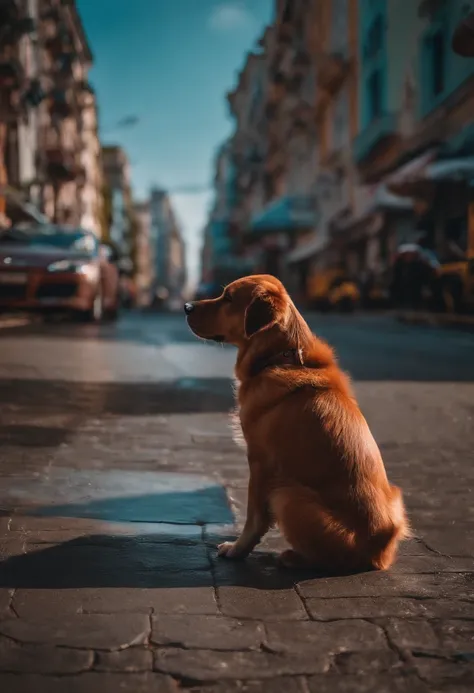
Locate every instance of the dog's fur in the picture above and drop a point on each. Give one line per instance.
(315, 468)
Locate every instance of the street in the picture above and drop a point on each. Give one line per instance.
(118, 476)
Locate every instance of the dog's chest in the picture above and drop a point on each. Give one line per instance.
(236, 427)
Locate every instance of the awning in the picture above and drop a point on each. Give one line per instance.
(402, 180)
(308, 249)
(461, 168)
(287, 214)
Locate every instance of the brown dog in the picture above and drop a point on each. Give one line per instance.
(315, 468)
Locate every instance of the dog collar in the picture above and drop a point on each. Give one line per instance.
(290, 357)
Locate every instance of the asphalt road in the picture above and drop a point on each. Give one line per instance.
(118, 475)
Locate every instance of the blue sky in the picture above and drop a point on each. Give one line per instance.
(170, 62)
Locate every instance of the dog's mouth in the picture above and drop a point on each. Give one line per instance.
(219, 338)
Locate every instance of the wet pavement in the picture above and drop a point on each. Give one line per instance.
(118, 475)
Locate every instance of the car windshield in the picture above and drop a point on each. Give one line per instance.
(65, 239)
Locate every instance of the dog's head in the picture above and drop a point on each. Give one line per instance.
(247, 307)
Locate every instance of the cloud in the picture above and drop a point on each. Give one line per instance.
(230, 16)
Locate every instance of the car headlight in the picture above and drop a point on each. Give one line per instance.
(89, 269)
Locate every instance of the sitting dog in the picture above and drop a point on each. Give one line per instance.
(315, 468)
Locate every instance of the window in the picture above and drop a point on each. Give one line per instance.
(374, 95)
(437, 63)
(375, 38)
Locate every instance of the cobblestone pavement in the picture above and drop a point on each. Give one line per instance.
(118, 476)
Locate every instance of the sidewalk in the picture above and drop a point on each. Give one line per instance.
(110, 580)
(464, 322)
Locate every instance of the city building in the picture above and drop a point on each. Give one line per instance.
(20, 95)
(69, 148)
(49, 148)
(118, 198)
(144, 254)
(169, 250)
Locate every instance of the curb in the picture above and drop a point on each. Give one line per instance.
(462, 322)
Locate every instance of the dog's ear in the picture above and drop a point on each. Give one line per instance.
(260, 315)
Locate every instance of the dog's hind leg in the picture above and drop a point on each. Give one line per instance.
(316, 540)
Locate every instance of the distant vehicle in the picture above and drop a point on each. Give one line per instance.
(332, 290)
(50, 268)
(208, 290)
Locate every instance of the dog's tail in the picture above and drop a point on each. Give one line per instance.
(382, 545)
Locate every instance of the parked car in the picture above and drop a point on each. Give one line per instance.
(54, 268)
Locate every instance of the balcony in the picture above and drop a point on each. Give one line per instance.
(11, 74)
(34, 94)
(14, 28)
(380, 131)
(62, 165)
(58, 40)
(332, 71)
(8, 13)
(60, 103)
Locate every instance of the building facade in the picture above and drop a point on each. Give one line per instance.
(353, 135)
(144, 255)
(49, 147)
(169, 250)
(118, 198)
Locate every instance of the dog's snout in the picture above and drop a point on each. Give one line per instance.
(188, 308)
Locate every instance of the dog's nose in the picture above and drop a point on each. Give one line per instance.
(188, 308)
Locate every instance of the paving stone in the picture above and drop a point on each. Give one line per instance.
(414, 635)
(376, 683)
(379, 607)
(209, 665)
(104, 534)
(124, 563)
(371, 662)
(5, 600)
(206, 633)
(275, 685)
(389, 584)
(100, 632)
(324, 638)
(89, 683)
(251, 603)
(165, 600)
(439, 672)
(433, 564)
(41, 659)
(132, 660)
(457, 636)
(459, 542)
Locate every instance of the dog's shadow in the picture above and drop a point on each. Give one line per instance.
(145, 541)
(141, 561)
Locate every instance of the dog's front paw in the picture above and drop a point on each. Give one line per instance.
(229, 549)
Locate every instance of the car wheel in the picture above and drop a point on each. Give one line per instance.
(112, 314)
